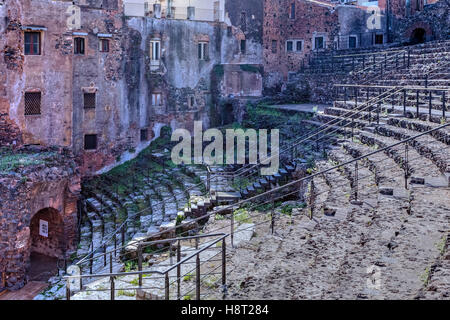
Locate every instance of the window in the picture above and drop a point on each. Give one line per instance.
(78, 46)
(156, 99)
(294, 45)
(274, 46)
(319, 43)
(155, 50)
(292, 13)
(378, 39)
(203, 50)
(191, 101)
(229, 31)
(89, 100)
(243, 46)
(289, 46)
(104, 45)
(352, 42)
(32, 43)
(144, 134)
(90, 142)
(32, 103)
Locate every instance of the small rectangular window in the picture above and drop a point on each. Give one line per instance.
(318, 43)
(156, 99)
(299, 46)
(289, 46)
(90, 142)
(104, 45)
(292, 13)
(229, 31)
(32, 43)
(89, 100)
(155, 50)
(144, 134)
(378, 39)
(274, 46)
(32, 103)
(352, 42)
(203, 51)
(243, 46)
(78, 46)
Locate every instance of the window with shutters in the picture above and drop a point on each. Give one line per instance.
(104, 45)
(89, 100)
(32, 43)
(32, 103)
(90, 142)
(203, 51)
(78, 46)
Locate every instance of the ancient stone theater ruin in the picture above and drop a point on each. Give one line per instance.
(354, 96)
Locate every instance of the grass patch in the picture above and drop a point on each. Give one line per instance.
(242, 216)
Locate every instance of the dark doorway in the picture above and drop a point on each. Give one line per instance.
(418, 36)
(47, 245)
(227, 114)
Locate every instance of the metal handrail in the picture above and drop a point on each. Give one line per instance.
(112, 275)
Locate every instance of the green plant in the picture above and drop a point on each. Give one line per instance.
(241, 216)
(187, 297)
(135, 282)
(188, 277)
(122, 292)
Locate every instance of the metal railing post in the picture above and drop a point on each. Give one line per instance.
(404, 102)
(272, 215)
(167, 286)
(110, 263)
(443, 105)
(179, 271)
(417, 103)
(113, 288)
(68, 289)
(104, 255)
(356, 180)
(197, 277)
(224, 267)
(406, 166)
(232, 228)
(429, 103)
(140, 263)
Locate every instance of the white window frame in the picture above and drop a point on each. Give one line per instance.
(203, 52)
(155, 50)
(324, 41)
(294, 45)
(156, 99)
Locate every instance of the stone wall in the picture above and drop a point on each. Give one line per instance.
(310, 20)
(51, 186)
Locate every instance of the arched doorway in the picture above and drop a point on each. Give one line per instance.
(47, 234)
(418, 36)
